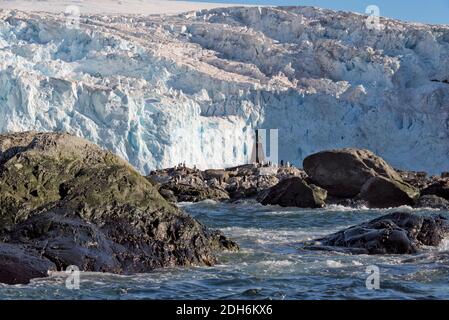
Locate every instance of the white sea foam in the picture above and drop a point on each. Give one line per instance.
(334, 264)
(267, 236)
(341, 208)
(444, 245)
(276, 263)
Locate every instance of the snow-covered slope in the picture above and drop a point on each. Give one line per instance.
(109, 6)
(159, 90)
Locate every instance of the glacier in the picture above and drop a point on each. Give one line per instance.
(159, 90)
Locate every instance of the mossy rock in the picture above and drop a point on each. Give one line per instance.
(59, 189)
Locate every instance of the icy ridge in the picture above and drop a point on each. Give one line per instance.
(159, 90)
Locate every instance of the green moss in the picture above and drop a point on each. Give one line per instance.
(31, 180)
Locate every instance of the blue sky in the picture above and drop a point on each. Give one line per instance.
(428, 11)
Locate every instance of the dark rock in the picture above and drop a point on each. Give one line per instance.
(19, 264)
(416, 179)
(241, 193)
(168, 195)
(243, 170)
(381, 192)
(432, 201)
(439, 188)
(343, 172)
(445, 175)
(246, 187)
(195, 193)
(295, 192)
(66, 239)
(220, 174)
(77, 204)
(233, 184)
(395, 233)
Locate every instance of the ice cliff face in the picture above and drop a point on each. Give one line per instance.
(159, 90)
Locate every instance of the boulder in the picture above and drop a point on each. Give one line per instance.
(295, 192)
(77, 204)
(395, 233)
(381, 192)
(439, 188)
(343, 172)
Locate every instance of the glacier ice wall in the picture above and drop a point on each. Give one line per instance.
(159, 90)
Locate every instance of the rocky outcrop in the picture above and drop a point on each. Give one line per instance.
(351, 177)
(439, 188)
(381, 192)
(295, 192)
(241, 182)
(194, 193)
(76, 204)
(419, 180)
(396, 233)
(432, 201)
(343, 172)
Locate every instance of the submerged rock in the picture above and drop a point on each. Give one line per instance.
(343, 172)
(395, 233)
(77, 204)
(381, 192)
(295, 192)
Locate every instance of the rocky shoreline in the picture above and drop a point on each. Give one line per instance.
(350, 177)
(64, 201)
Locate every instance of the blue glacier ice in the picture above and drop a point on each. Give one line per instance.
(159, 90)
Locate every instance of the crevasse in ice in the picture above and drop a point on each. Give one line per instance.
(160, 90)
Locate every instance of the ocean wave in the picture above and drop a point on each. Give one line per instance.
(267, 236)
(341, 208)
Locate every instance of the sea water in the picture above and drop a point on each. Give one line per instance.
(272, 263)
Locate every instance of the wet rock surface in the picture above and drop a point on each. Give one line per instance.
(76, 204)
(396, 233)
(20, 264)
